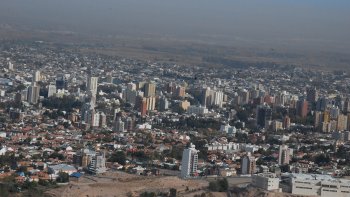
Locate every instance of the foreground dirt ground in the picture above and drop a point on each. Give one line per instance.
(121, 184)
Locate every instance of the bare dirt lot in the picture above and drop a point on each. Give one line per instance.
(122, 184)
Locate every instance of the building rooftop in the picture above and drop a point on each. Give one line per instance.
(320, 177)
(63, 167)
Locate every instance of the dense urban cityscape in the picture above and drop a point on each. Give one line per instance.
(67, 116)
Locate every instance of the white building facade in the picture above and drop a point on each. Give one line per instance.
(189, 162)
(198, 110)
(318, 185)
(266, 181)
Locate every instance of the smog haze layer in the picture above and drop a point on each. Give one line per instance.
(294, 25)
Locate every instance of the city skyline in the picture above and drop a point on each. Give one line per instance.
(174, 98)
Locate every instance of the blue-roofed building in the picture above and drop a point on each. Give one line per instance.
(76, 175)
(21, 174)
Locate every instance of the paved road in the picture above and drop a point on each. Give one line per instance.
(169, 172)
(233, 181)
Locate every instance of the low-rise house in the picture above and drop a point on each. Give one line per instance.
(228, 172)
(137, 170)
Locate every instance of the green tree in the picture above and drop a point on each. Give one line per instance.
(22, 169)
(220, 185)
(148, 194)
(242, 137)
(141, 155)
(173, 192)
(200, 145)
(66, 125)
(34, 192)
(214, 186)
(242, 115)
(62, 177)
(322, 159)
(119, 157)
(223, 185)
(29, 185)
(43, 182)
(66, 103)
(342, 152)
(4, 190)
(56, 155)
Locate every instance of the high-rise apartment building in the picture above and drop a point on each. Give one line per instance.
(61, 82)
(248, 164)
(92, 84)
(263, 116)
(51, 90)
(163, 104)
(109, 78)
(284, 155)
(243, 97)
(311, 94)
(318, 119)
(189, 162)
(347, 105)
(211, 97)
(130, 123)
(342, 122)
(171, 87)
(302, 108)
(33, 93)
(151, 103)
(180, 91)
(10, 66)
(98, 164)
(143, 107)
(131, 86)
(217, 98)
(150, 89)
(36, 76)
(286, 122)
(103, 120)
(204, 96)
(119, 125)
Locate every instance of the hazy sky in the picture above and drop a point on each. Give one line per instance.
(311, 21)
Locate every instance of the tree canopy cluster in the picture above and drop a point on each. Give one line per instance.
(66, 103)
(220, 185)
(119, 157)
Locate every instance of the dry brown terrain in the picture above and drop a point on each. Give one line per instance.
(122, 184)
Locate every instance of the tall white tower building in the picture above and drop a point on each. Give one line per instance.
(10, 65)
(92, 83)
(284, 154)
(189, 162)
(98, 164)
(36, 76)
(51, 90)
